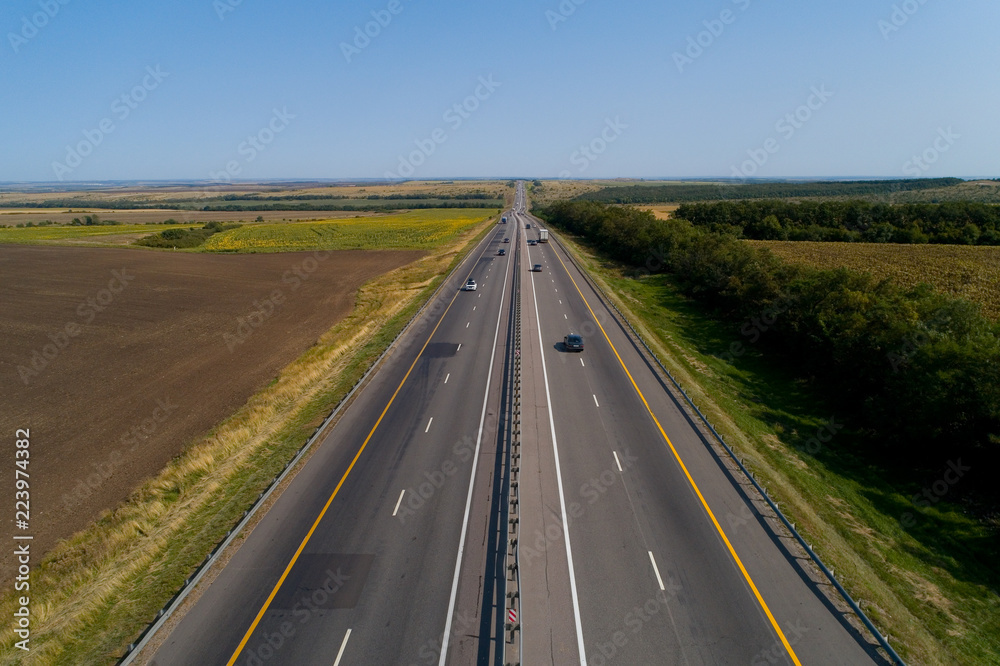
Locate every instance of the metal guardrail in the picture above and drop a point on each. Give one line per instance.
(882, 639)
(134, 648)
(513, 596)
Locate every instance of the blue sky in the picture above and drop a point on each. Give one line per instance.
(596, 89)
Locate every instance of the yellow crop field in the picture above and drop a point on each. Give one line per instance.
(970, 272)
(661, 211)
(421, 229)
(56, 233)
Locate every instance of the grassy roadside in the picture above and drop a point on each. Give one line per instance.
(931, 585)
(96, 591)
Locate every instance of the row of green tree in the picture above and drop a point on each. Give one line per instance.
(918, 370)
(850, 221)
(684, 192)
(185, 238)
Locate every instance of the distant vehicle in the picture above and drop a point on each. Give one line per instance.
(528, 225)
(543, 235)
(501, 252)
(470, 285)
(537, 268)
(506, 240)
(503, 219)
(532, 242)
(573, 343)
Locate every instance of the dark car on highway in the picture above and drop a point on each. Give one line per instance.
(573, 342)
(501, 252)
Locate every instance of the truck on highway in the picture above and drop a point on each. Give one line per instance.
(543, 235)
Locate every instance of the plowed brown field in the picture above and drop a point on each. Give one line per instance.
(117, 359)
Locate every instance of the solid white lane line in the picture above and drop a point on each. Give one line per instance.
(656, 570)
(446, 378)
(399, 501)
(562, 496)
(342, 646)
(445, 639)
(429, 424)
(618, 462)
(595, 400)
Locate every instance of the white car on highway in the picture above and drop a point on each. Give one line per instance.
(470, 285)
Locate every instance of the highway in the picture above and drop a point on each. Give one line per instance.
(637, 545)
(356, 561)
(671, 565)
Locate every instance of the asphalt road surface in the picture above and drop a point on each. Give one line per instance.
(637, 545)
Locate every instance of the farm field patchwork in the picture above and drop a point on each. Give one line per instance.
(60, 216)
(969, 272)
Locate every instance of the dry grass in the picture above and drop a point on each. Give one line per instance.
(969, 272)
(95, 591)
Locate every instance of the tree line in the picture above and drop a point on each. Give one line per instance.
(915, 369)
(687, 192)
(964, 223)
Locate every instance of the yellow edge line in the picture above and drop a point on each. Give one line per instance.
(704, 503)
(284, 575)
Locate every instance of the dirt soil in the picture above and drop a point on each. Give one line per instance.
(116, 360)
